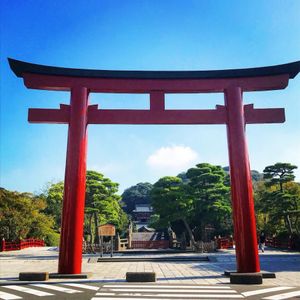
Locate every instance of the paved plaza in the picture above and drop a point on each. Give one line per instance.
(286, 265)
(188, 279)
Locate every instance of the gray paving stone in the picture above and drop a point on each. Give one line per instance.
(286, 266)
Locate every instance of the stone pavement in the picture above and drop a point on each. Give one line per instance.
(286, 265)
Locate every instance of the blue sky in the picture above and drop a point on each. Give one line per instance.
(143, 35)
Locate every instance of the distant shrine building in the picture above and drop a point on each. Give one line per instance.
(141, 215)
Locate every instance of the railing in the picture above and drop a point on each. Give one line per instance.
(87, 247)
(205, 246)
(161, 244)
(281, 244)
(224, 243)
(22, 244)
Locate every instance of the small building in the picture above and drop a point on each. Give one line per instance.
(142, 213)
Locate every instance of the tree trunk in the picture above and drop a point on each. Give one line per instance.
(90, 229)
(190, 233)
(97, 241)
(289, 223)
(296, 225)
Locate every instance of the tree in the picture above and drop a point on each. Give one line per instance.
(255, 175)
(183, 177)
(53, 196)
(201, 201)
(21, 216)
(211, 198)
(171, 200)
(137, 194)
(102, 204)
(277, 199)
(279, 173)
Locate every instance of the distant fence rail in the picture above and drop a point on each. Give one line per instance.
(289, 243)
(22, 244)
(160, 244)
(207, 247)
(224, 243)
(88, 247)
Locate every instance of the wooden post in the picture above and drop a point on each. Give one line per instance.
(70, 254)
(3, 248)
(241, 184)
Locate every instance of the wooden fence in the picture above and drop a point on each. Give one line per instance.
(87, 247)
(281, 244)
(159, 244)
(206, 247)
(290, 244)
(224, 243)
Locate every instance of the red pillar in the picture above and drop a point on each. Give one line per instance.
(241, 184)
(70, 253)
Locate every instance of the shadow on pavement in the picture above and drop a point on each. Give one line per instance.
(191, 277)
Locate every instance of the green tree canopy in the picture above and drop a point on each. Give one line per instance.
(277, 200)
(255, 175)
(201, 201)
(171, 201)
(53, 196)
(211, 198)
(21, 216)
(137, 194)
(102, 204)
(279, 173)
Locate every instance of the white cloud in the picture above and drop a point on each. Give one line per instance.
(174, 158)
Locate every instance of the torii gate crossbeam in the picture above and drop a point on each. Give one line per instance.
(234, 114)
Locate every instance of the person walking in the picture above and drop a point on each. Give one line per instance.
(262, 241)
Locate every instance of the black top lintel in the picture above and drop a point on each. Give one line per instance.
(21, 67)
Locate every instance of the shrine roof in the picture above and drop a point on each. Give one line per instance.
(20, 68)
(143, 208)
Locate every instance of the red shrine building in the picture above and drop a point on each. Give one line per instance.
(142, 213)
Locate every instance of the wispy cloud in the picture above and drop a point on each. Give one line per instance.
(174, 158)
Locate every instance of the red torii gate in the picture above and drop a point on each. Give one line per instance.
(79, 114)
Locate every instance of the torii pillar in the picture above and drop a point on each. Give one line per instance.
(70, 253)
(234, 114)
(241, 184)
